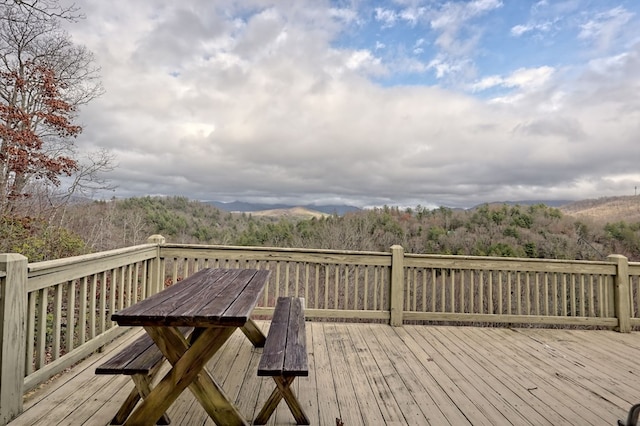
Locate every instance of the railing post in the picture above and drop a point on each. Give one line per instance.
(397, 285)
(13, 331)
(156, 281)
(621, 292)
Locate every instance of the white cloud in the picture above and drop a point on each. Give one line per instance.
(388, 17)
(348, 16)
(452, 15)
(518, 30)
(540, 27)
(266, 107)
(604, 27)
(362, 59)
(413, 15)
(522, 78)
(609, 64)
(529, 78)
(456, 51)
(444, 67)
(417, 46)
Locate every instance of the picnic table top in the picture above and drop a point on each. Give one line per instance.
(210, 297)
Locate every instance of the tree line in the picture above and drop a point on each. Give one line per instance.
(529, 231)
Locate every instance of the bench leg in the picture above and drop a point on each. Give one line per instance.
(141, 390)
(127, 407)
(282, 390)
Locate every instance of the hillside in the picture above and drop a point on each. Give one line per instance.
(245, 207)
(588, 229)
(606, 210)
(290, 213)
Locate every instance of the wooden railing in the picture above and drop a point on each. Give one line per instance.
(401, 287)
(70, 301)
(335, 284)
(52, 314)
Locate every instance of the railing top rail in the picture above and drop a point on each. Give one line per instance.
(510, 259)
(50, 264)
(275, 249)
(510, 264)
(43, 274)
(319, 256)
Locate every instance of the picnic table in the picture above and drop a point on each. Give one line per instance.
(215, 302)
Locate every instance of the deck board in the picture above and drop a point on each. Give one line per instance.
(377, 374)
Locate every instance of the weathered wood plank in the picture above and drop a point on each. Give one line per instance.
(379, 407)
(306, 389)
(209, 297)
(413, 401)
(453, 391)
(541, 407)
(520, 364)
(436, 406)
(495, 392)
(295, 360)
(272, 360)
(326, 395)
(545, 376)
(594, 363)
(161, 304)
(285, 357)
(244, 305)
(344, 375)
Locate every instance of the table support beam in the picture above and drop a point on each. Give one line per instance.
(254, 334)
(188, 371)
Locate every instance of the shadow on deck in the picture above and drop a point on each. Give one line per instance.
(372, 374)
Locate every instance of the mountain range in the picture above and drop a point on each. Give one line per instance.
(340, 209)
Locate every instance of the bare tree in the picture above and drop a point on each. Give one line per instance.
(45, 77)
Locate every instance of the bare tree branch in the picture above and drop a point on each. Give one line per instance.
(45, 8)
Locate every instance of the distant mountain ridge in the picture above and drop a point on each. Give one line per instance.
(241, 206)
(341, 209)
(549, 203)
(606, 209)
(601, 209)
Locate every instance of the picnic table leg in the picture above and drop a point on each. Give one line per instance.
(188, 371)
(254, 333)
(211, 396)
(282, 390)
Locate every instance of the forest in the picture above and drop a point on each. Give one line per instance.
(528, 231)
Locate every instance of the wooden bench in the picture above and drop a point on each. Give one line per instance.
(141, 360)
(285, 357)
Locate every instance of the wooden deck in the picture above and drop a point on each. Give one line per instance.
(371, 374)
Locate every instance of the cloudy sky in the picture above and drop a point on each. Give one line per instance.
(367, 103)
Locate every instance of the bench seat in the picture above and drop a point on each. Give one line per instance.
(141, 360)
(285, 357)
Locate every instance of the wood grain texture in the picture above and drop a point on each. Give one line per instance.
(548, 376)
(285, 357)
(140, 357)
(210, 297)
(214, 302)
(285, 352)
